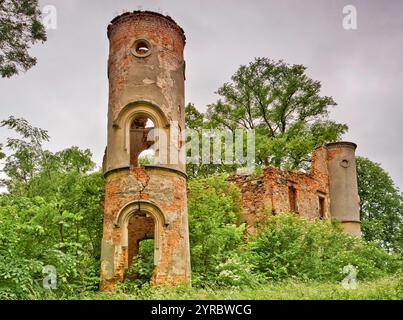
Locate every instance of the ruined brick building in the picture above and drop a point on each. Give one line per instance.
(146, 72)
(329, 190)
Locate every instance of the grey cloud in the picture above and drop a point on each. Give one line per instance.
(67, 92)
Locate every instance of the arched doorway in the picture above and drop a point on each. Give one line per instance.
(141, 263)
(138, 222)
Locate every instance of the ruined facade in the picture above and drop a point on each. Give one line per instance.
(329, 190)
(146, 71)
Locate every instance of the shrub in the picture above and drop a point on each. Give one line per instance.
(237, 271)
(142, 266)
(214, 226)
(293, 247)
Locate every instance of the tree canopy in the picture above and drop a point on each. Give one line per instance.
(284, 107)
(381, 205)
(20, 27)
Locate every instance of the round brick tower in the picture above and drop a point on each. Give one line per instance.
(343, 188)
(146, 71)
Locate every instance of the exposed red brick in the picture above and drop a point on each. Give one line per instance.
(269, 193)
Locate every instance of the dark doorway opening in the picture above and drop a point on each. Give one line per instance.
(141, 248)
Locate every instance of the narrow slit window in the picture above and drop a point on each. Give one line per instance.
(292, 196)
(321, 207)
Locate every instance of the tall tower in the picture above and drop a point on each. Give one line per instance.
(146, 71)
(343, 188)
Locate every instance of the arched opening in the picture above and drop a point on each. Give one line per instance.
(137, 119)
(139, 221)
(141, 141)
(141, 247)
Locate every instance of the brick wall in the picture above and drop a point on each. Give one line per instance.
(276, 191)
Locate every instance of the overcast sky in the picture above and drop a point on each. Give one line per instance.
(67, 92)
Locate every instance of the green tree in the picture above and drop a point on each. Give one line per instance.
(26, 153)
(196, 122)
(194, 118)
(52, 215)
(381, 205)
(214, 224)
(20, 27)
(284, 107)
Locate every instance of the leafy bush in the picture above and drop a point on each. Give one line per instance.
(237, 271)
(214, 225)
(142, 266)
(35, 233)
(294, 247)
(52, 215)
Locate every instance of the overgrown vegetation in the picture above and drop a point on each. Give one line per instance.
(142, 266)
(317, 250)
(390, 288)
(216, 231)
(288, 247)
(52, 214)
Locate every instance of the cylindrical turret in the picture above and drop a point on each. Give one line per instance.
(146, 71)
(146, 67)
(343, 188)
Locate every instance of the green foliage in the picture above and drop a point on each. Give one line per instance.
(194, 118)
(26, 153)
(146, 160)
(52, 215)
(390, 288)
(281, 104)
(195, 122)
(284, 107)
(20, 27)
(294, 247)
(237, 271)
(142, 267)
(2, 154)
(52, 230)
(381, 206)
(215, 227)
